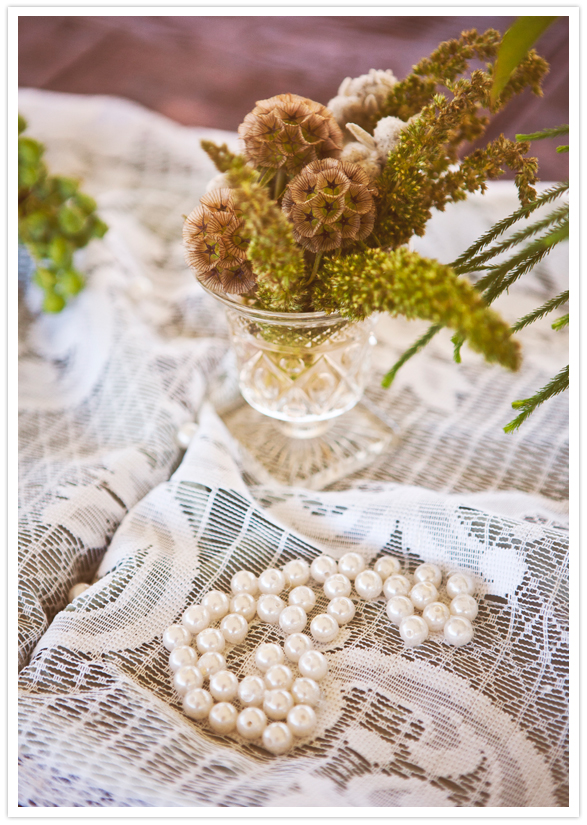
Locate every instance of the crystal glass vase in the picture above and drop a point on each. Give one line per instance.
(302, 372)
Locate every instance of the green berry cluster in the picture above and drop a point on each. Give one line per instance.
(54, 220)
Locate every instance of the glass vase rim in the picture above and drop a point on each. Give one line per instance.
(274, 315)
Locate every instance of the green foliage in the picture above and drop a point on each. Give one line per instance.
(404, 283)
(541, 311)
(530, 248)
(420, 173)
(558, 384)
(54, 220)
(447, 107)
(442, 68)
(516, 43)
(562, 322)
(545, 133)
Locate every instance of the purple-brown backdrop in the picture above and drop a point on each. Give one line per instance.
(209, 71)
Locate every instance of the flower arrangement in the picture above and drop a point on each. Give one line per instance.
(316, 212)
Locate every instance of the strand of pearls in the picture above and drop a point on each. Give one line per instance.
(278, 703)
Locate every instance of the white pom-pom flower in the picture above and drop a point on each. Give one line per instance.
(386, 135)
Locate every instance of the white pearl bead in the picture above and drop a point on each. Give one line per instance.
(368, 584)
(267, 655)
(211, 663)
(351, 564)
(251, 691)
(337, 585)
(422, 594)
(77, 590)
(342, 609)
(295, 645)
(217, 603)
(181, 656)
(278, 677)
(428, 573)
(245, 605)
(196, 618)
(303, 596)
(277, 703)
(396, 585)
(398, 608)
(322, 567)
(185, 433)
(413, 630)
(197, 703)
(244, 582)
(296, 572)
(210, 640)
(458, 631)
(271, 581)
(292, 619)
(313, 664)
(234, 628)
(459, 583)
(269, 608)
(187, 678)
(323, 627)
(387, 566)
(306, 691)
(223, 686)
(251, 722)
(176, 636)
(277, 738)
(435, 615)
(222, 717)
(301, 720)
(464, 605)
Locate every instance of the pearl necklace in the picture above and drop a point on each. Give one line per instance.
(278, 705)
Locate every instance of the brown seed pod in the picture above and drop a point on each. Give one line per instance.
(215, 246)
(330, 204)
(289, 131)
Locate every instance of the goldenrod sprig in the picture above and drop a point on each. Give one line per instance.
(404, 283)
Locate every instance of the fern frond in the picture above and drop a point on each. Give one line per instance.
(546, 133)
(562, 322)
(501, 277)
(541, 311)
(556, 216)
(558, 384)
(502, 226)
(419, 344)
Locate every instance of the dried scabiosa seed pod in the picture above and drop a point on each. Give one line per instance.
(330, 204)
(289, 131)
(215, 246)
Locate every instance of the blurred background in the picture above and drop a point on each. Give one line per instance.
(209, 71)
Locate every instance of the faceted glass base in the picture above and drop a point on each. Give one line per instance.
(271, 455)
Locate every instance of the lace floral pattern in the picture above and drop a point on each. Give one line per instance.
(106, 495)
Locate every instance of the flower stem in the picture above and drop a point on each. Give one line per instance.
(317, 260)
(280, 183)
(266, 176)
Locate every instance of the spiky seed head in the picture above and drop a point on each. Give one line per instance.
(288, 131)
(330, 204)
(215, 245)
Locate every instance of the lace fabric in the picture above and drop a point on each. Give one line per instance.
(106, 495)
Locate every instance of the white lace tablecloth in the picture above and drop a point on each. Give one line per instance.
(107, 496)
